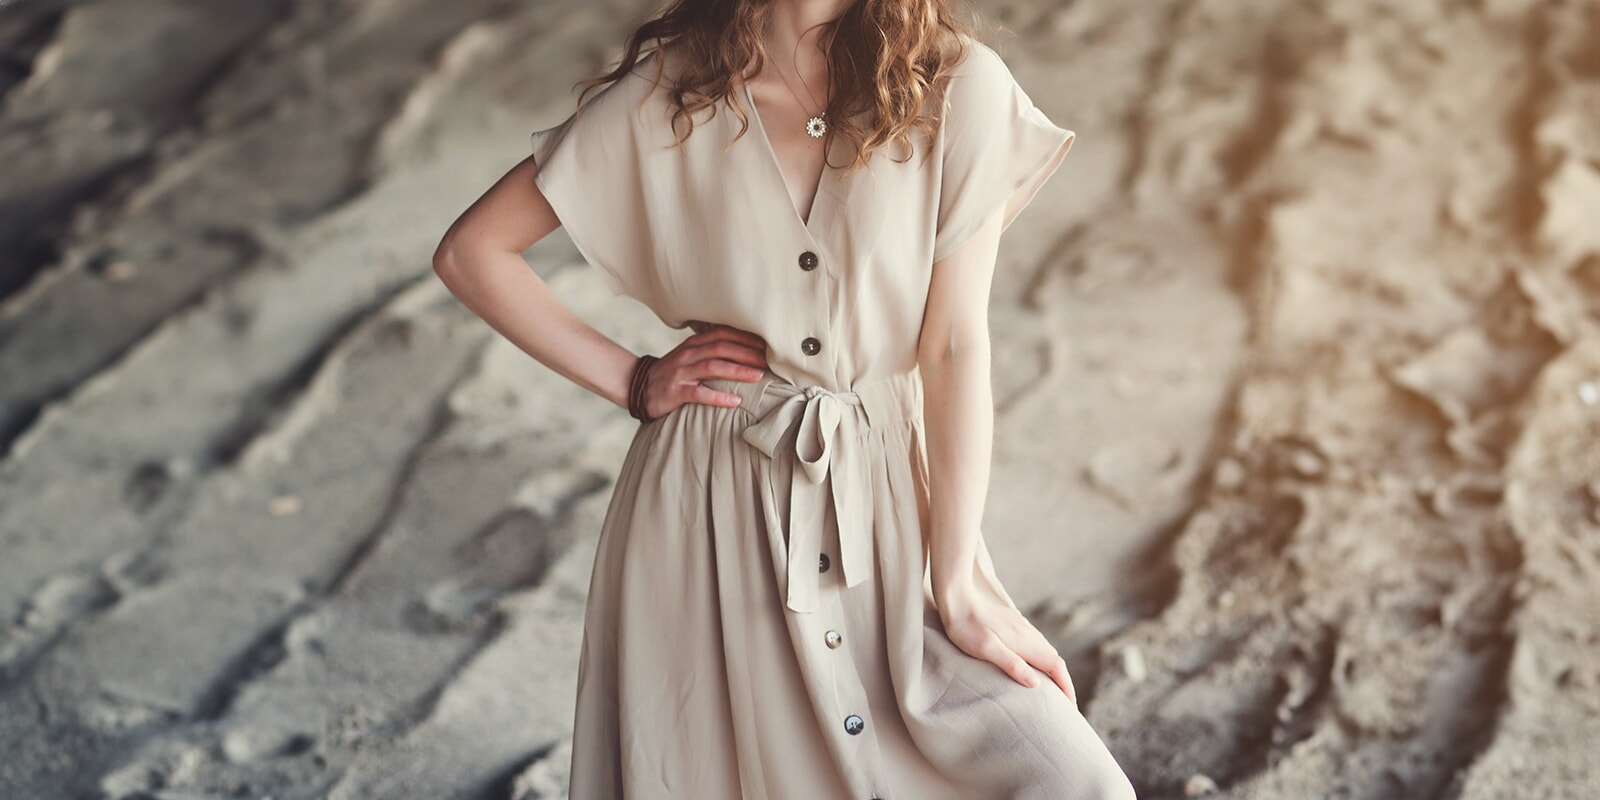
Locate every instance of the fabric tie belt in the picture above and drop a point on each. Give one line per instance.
(823, 461)
(828, 426)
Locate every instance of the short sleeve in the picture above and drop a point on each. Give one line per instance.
(589, 170)
(997, 149)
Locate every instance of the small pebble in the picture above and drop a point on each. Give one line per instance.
(131, 781)
(1229, 474)
(1199, 785)
(284, 505)
(1133, 663)
(1308, 464)
(69, 596)
(120, 271)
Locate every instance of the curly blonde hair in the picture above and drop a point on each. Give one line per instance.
(889, 62)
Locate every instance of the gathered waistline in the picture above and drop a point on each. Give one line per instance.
(826, 426)
(884, 401)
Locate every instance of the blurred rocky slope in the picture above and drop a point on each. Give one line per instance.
(1297, 356)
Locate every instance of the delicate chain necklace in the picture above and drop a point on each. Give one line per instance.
(817, 124)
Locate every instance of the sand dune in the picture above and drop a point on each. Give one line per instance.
(1313, 308)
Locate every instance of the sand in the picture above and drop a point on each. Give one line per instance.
(1313, 308)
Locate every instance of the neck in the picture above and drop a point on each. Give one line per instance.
(794, 35)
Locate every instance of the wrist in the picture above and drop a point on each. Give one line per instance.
(952, 559)
(638, 396)
(954, 591)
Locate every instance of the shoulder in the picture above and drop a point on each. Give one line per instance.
(979, 73)
(628, 92)
(982, 93)
(979, 62)
(610, 118)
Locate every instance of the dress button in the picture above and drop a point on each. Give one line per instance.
(833, 639)
(811, 346)
(822, 563)
(808, 261)
(853, 725)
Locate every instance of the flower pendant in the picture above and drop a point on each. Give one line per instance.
(815, 127)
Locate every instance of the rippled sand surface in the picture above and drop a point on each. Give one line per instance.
(1298, 358)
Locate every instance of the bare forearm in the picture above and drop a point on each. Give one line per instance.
(958, 415)
(516, 302)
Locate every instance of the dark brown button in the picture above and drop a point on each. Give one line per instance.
(808, 261)
(811, 346)
(822, 563)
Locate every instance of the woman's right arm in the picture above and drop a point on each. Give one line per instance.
(480, 261)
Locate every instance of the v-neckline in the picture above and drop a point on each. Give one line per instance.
(823, 193)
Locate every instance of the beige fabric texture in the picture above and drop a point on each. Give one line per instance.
(759, 620)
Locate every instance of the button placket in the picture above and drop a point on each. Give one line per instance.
(808, 261)
(842, 702)
(845, 710)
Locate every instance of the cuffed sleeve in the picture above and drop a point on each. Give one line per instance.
(997, 149)
(589, 171)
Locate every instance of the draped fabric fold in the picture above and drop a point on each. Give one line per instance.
(828, 466)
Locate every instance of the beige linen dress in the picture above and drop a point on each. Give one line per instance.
(759, 620)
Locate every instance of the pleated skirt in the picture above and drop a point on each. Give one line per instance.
(697, 679)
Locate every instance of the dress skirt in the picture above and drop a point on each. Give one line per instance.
(759, 622)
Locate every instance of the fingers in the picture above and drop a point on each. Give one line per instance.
(1003, 636)
(713, 351)
(722, 368)
(728, 333)
(739, 335)
(995, 651)
(700, 393)
(1058, 673)
(683, 382)
(1039, 653)
(727, 350)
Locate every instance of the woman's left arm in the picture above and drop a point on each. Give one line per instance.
(958, 414)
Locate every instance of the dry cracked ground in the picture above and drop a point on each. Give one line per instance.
(1298, 359)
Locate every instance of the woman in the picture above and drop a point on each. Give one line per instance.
(791, 596)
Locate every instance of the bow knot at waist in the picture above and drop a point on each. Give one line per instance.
(827, 465)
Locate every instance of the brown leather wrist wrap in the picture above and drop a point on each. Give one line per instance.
(636, 387)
